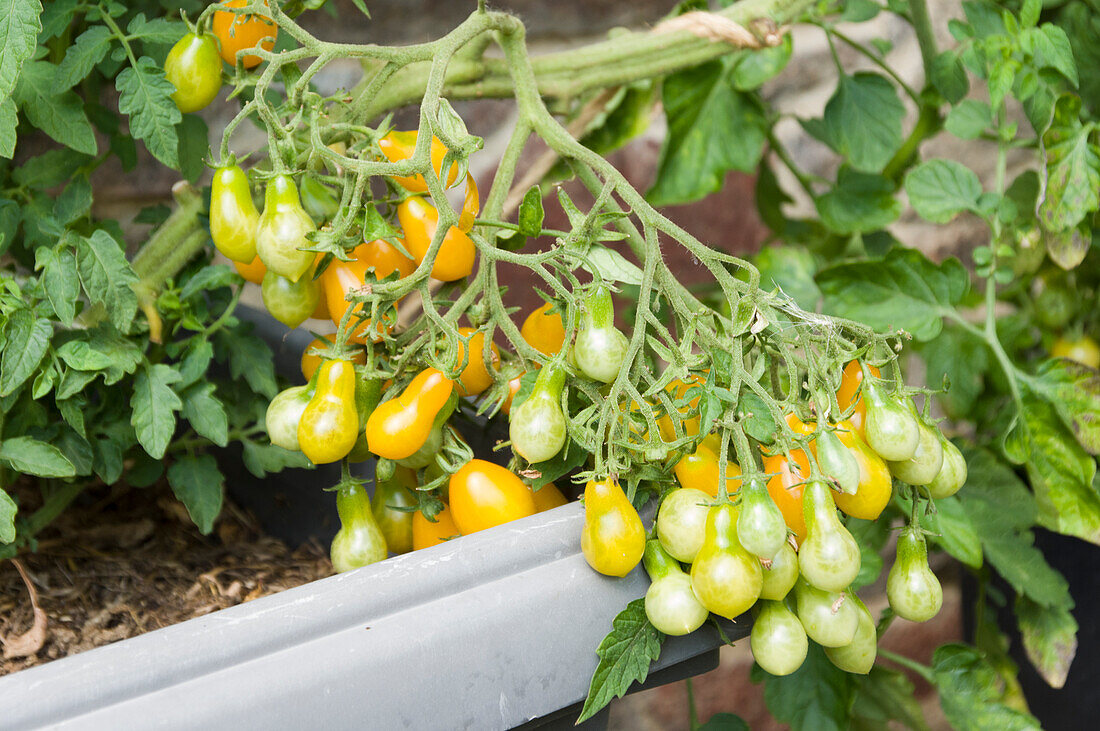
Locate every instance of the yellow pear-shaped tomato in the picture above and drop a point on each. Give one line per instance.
(875, 485)
(484, 495)
(726, 578)
(613, 538)
(399, 145)
(234, 218)
(399, 427)
(475, 377)
(330, 425)
(544, 331)
(419, 219)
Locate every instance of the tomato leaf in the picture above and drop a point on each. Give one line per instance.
(206, 413)
(815, 697)
(955, 532)
(250, 358)
(1071, 173)
(1050, 639)
(970, 691)
(58, 113)
(625, 656)
(8, 509)
(870, 536)
(107, 276)
(9, 120)
(963, 360)
(88, 50)
(1074, 391)
(724, 722)
(613, 266)
(33, 457)
(1061, 472)
(859, 202)
(712, 129)
(939, 190)
(154, 404)
(862, 121)
(883, 696)
(146, 96)
(531, 213)
(21, 27)
(904, 291)
(791, 268)
(969, 119)
(199, 485)
(26, 339)
(260, 459)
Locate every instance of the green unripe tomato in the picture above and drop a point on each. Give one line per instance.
(194, 67)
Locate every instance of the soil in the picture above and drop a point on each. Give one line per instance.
(134, 562)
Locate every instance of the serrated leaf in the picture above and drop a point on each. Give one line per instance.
(51, 168)
(250, 358)
(712, 129)
(758, 66)
(194, 144)
(791, 269)
(625, 656)
(19, 27)
(955, 532)
(949, 77)
(964, 360)
(33, 457)
(883, 696)
(89, 49)
(870, 536)
(80, 355)
(939, 190)
(862, 121)
(969, 119)
(859, 202)
(199, 485)
(206, 413)
(75, 201)
(1050, 639)
(146, 96)
(72, 411)
(904, 291)
(60, 281)
(969, 692)
(26, 339)
(57, 15)
(59, 113)
(209, 277)
(8, 509)
(157, 30)
(107, 276)
(261, 459)
(1072, 168)
(531, 213)
(154, 405)
(1074, 391)
(107, 460)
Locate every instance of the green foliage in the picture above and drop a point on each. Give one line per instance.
(625, 656)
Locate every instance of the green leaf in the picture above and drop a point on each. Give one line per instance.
(904, 291)
(214, 276)
(26, 341)
(758, 66)
(56, 17)
(949, 76)
(724, 722)
(1060, 471)
(88, 50)
(80, 355)
(75, 201)
(57, 112)
(954, 531)
(145, 95)
(963, 360)
(250, 358)
(712, 129)
(1071, 170)
(1001, 509)
(883, 696)
(970, 692)
(107, 276)
(862, 121)
(194, 364)
(49, 169)
(859, 11)
(33, 457)
(939, 190)
(199, 485)
(1067, 248)
(815, 697)
(60, 280)
(791, 268)
(107, 460)
(194, 144)
(1074, 391)
(755, 416)
(157, 30)
(8, 509)
(1050, 639)
(613, 266)
(20, 22)
(154, 404)
(859, 202)
(206, 413)
(116, 354)
(9, 120)
(969, 119)
(261, 459)
(1055, 52)
(625, 655)
(531, 213)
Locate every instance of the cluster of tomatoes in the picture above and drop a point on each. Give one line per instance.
(770, 541)
(795, 570)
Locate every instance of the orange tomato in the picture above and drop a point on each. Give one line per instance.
(310, 362)
(484, 495)
(397, 428)
(699, 470)
(455, 258)
(253, 272)
(427, 533)
(848, 393)
(678, 390)
(544, 332)
(399, 145)
(513, 389)
(342, 277)
(548, 497)
(240, 32)
(786, 487)
(475, 377)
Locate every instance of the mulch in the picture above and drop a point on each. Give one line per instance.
(128, 561)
